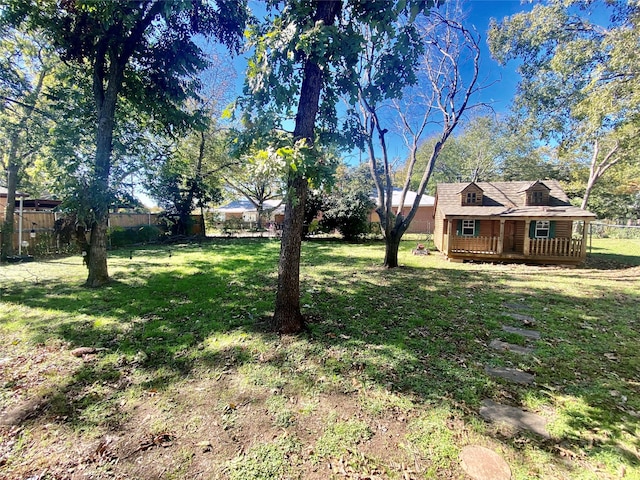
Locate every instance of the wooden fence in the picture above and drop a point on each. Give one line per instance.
(41, 224)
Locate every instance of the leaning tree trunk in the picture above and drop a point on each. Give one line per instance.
(13, 166)
(288, 317)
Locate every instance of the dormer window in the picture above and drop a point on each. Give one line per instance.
(536, 198)
(537, 194)
(472, 198)
(471, 195)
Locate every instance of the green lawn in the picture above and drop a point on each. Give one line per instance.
(188, 381)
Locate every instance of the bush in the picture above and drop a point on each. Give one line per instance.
(349, 214)
(119, 236)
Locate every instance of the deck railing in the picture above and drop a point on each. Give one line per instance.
(538, 247)
(484, 245)
(555, 247)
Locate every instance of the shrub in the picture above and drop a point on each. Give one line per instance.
(119, 236)
(349, 214)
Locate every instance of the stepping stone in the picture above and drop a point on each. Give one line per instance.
(23, 411)
(510, 347)
(526, 319)
(480, 463)
(515, 417)
(511, 374)
(515, 306)
(532, 334)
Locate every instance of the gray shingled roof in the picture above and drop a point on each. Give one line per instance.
(506, 199)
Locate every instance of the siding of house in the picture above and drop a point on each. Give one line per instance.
(439, 230)
(423, 221)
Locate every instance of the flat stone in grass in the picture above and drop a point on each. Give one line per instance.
(523, 332)
(510, 347)
(22, 411)
(525, 319)
(480, 463)
(515, 306)
(511, 374)
(515, 417)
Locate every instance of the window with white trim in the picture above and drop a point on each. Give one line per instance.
(542, 229)
(468, 228)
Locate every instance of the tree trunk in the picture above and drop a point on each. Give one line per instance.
(106, 108)
(10, 208)
(287, 317)
(392, 245)
(13, 167)
(97, 257)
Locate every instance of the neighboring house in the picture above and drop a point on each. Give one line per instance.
(32, 204)
(246, 211)
(509, 221)
(423, 220)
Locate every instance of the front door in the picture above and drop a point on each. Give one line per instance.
(509, 236)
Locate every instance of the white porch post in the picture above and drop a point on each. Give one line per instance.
(446, 247)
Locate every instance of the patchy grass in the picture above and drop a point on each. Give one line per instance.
(188, 381)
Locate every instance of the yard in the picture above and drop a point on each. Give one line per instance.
(182, 379)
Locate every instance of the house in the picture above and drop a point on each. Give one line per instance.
(31, 204)
(245, 211)
(509, 221)
(423, 220)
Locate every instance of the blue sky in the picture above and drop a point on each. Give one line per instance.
(503, 79)
(500, 81)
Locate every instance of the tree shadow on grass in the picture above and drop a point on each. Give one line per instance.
(419, 332)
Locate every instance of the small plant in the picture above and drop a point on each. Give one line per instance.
(265, 461)
(341, 437)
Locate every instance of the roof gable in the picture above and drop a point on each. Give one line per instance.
(471, 187)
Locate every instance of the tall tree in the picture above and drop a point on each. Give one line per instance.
(447, 79)
(303, 60)
(188, 176)
(190, 173)
(258, 179)
(27, 63)
(144, 50)
(580, 84)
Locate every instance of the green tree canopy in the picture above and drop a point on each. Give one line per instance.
(580, 83)
(143, 51)
(304, 54)
(27, 64)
